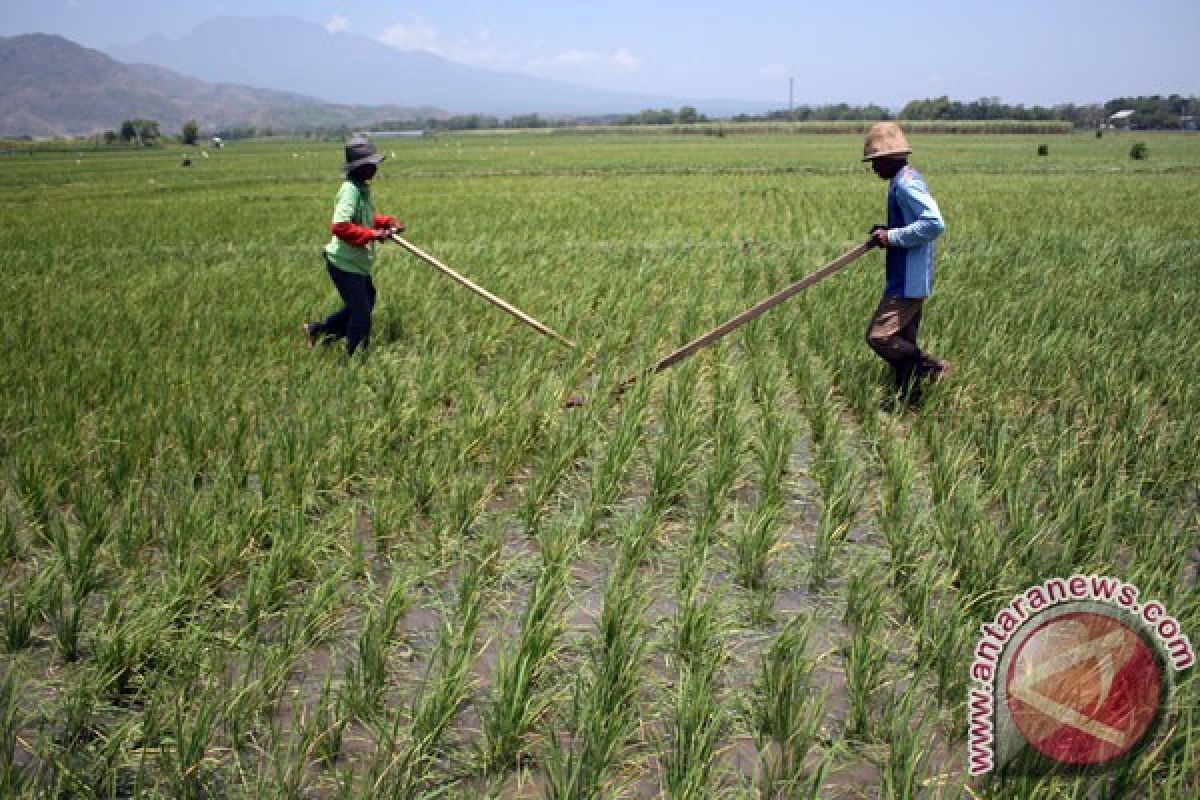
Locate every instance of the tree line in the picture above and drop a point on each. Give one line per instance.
(1150, 112)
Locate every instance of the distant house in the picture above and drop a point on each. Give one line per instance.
(1121, 119)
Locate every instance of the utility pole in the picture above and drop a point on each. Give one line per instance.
(791, 96)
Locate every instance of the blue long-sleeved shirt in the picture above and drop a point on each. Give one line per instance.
(914, 221)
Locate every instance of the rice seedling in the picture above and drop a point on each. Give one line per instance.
(698, 721)
(519, 700)
(367, 679)
(694, 735)
(603, 709)
(66, 621)
(726, 437)
(18, 622)
(672, 465)
(445, 687)
(610, 470)
(193, 723)
(866, 653)
(789, 717)
(755, 540)
(10, 777)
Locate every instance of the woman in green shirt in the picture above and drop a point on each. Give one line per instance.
(356, 228)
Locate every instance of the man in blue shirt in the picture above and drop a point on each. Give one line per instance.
(913, 222)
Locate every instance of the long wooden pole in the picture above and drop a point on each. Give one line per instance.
(479, 290)
(746, 316)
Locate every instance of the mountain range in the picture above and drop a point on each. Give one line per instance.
(50, 86)
(280, 72)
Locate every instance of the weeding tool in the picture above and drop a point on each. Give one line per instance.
(746, 316)
(545, 330)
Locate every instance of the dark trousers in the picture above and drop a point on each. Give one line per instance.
(892, 334)
(353, 320)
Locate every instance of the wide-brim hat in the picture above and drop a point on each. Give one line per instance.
(885, 139)
(360, 152)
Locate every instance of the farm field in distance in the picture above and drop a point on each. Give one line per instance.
(234, 567)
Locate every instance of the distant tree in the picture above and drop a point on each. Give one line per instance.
(528, 121)
(148, 131)
(190, 132)
(688, 115)
(143, 131)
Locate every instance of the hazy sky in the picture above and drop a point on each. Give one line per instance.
(858, 51)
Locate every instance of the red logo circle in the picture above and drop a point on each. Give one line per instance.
(1084, 688)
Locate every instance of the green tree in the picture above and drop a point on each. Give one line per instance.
(143, 131)
(190, 132)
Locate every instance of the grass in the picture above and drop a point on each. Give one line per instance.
(231, 566)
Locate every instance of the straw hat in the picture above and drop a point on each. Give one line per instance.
(885, 139)
(359, 152)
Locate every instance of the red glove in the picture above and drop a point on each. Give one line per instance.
(357, 235)
(385, 221)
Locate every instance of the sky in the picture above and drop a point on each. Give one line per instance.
(862, 51)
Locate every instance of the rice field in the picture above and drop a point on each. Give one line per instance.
(234, 567)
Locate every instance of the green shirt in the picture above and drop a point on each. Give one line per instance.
(353, 204)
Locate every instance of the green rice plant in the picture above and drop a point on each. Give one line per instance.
(290, 747)
(866, 655)
(78, 712)
(837, 478)
(568, 444)
(10, 775)
(18, 621)
(694, 734)
(636, 538)
(366, 679)
(193, 724)
(697, 628)
(773, 449)
(603, 711)
(328, 725)
(37, 486)
(820, 408)
(76, 556)
(445, 688)
(10, 543)
(895, 512)
(819, 566)
(519, 700)
(66, 621)
(694, 562)
(907, 739)
(610, 470)
(672, 464)
(863, 599)
(131, 532)
(726, 435)
(698, 719)
(788, 717)
(756, 539)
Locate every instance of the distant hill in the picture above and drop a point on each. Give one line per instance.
(298, 56)
(50, 86)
